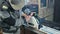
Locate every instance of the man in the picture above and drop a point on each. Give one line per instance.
(17, 5)
(15, 11)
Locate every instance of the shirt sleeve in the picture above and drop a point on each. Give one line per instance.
(21, 19)
(21, 13)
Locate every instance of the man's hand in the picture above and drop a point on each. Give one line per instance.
(28, 17)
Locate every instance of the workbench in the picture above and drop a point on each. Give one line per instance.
(25, 29)
(28, 30)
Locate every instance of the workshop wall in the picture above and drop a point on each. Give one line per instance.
(46, 11)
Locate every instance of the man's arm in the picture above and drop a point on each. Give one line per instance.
(27, 17)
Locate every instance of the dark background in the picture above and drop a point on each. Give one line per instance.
(57, 11)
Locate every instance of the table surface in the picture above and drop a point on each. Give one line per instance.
(47, 30)
(34, 30)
